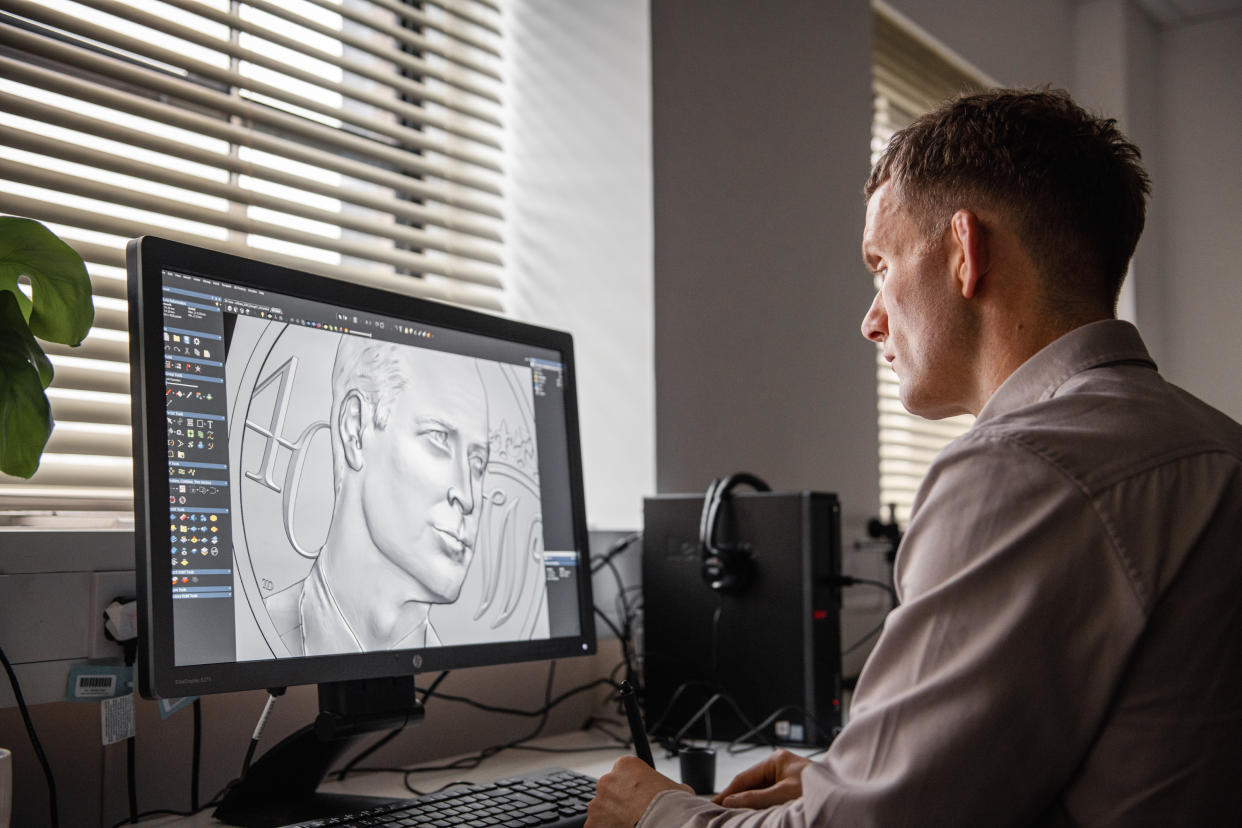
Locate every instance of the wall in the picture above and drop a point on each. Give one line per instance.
(761, 124)
(1201, 115)
(578, 214)
(1014, 43)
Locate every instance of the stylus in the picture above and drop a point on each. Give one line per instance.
(638, 731)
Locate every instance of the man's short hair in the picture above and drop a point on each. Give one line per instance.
(375, 370)
(1071, 182)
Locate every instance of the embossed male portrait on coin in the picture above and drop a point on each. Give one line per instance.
(404, 515)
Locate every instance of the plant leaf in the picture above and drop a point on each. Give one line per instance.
(15, 339)
(25, 416)
(61, 308)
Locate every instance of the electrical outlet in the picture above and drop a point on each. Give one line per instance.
(106, 587)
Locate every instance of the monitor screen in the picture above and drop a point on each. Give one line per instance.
(334, 482)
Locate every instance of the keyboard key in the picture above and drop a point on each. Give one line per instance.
(553, 797)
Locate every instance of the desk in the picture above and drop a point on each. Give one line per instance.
(513, 763)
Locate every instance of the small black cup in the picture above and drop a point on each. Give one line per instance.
(698, 768)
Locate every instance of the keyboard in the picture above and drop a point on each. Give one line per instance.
(551, 797)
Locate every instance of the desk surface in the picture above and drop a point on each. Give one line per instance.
(594, 762)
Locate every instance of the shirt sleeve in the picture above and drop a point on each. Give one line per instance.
(992, 677)
(679, 808)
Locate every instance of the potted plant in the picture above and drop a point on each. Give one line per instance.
(58, 309)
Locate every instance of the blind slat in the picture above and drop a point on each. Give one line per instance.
(403, 208)
(243, 136)
(69, 437)
(81, 375)
(466, 12)
(84, 407)
(397, 156)
(413, 14)
(391, 104)
(446, 291)
(368, 249)
(41, 177)
(110, 319)
(109, 350)
(418, 91)
(412, 39)
(363, 145)
(61, 471)
(416, 65)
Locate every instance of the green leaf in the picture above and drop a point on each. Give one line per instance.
(60, 309)
(25, 416)
(15, 339)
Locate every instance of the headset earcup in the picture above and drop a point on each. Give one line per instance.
(726, 568)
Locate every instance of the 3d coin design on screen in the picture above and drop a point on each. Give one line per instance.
(443, 493)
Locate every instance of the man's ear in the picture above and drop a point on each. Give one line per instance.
(349, 426)
(970, 248)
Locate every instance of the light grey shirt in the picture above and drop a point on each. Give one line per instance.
(1068, 650)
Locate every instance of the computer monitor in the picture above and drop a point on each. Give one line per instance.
(334, 483)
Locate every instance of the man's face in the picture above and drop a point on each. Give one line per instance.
(919, 314)
(422, 475)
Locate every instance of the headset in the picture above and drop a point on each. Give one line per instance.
(727, 567)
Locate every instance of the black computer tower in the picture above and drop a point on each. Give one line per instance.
(772, 648)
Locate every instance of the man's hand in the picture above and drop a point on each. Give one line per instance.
(623, 794)
(775, 780)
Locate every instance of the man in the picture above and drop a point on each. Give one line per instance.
(1065, 652)
(409, 433)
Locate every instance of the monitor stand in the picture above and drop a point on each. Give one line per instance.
(280, 788)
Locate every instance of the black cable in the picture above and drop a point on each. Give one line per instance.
(863, 640)
(434, 684)
(473, 761)
(53, 812)
(625, 612)
(716, 634)
(604, 617)
(703, 711)
(529, 713)
(626, 653)
(613, 551)
(597, 723)
(583, 749)
(248, 757)
(850, 580)
(470, 762)
(272, 694)
(443, 787)
(672, 701)
(376, 745)
(196, 756)
(827, 737)
(131, 785)
(392, 734)
(130, 772)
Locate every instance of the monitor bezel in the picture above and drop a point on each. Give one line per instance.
(159, 676)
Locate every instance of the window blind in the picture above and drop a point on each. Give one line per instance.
(909, 78)
(357, 139)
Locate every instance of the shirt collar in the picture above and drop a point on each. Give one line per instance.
(1106, 342)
